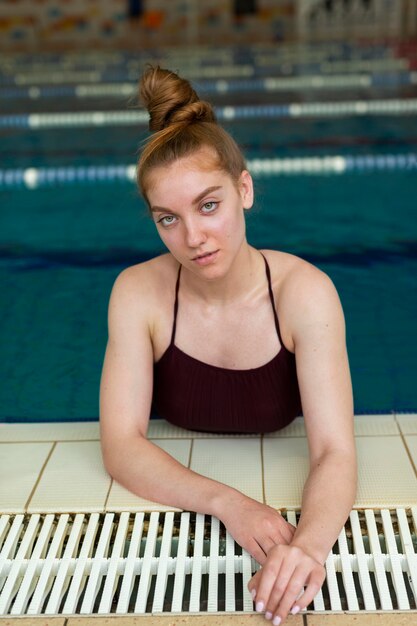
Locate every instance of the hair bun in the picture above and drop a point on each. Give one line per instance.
(171, 99)
(195, 112)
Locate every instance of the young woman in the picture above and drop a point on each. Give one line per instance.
(219, 336)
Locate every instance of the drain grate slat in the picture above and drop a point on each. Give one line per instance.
(146, 577)
(45, 574)
(197, 564)
(407, 543)
(246, 576)
(396, 569)
(381, 577)
(62, 582)
(364, 575)
(96, 574)
(212, 602)
(183, 562)
(129, 573)
(28, 585)
(180, 564)
(230, 574)
(76, 585)
(162, 576)
(112, 573)
(13, 579)
(347, 573)
(332, 584)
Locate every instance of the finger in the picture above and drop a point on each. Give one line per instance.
(291, 528)
(295, 586)
(280, 587)
(253, 584)
(254, 581)
(284, 532)
(267, 543)
(314, 585)
(288, 532)
(267, 580)
(281, 536)
(257, 552)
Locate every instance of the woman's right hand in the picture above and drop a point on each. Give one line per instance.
(255, 526)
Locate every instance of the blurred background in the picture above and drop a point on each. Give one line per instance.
(320, 94)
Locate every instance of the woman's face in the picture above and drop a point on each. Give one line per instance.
(198, 212)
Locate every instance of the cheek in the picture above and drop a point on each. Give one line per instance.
(167, 237)
(233, 230)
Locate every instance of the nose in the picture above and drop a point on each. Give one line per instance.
(194, 233)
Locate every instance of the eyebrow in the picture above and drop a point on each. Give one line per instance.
(196, 200)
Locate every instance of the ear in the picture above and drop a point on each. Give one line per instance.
(246, 189)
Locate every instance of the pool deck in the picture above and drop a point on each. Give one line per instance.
(43, 466)
(394, 618)
(46, 464)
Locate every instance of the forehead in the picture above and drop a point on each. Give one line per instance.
(185, 178)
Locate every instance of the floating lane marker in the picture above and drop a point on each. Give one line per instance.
(116, 89)
(94, 118)
(221, 85)
(33, 178)
(227, 113)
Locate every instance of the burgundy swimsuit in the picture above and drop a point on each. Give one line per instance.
(203, 397)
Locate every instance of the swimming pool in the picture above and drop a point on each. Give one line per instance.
(65, 239)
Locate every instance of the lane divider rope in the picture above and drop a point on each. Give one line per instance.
(33, 178)
(226, 113)
(125, 87)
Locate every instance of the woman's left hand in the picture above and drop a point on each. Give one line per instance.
(276, 588)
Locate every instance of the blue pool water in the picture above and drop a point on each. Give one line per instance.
(61, 248)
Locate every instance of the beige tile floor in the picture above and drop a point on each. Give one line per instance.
(43, 465)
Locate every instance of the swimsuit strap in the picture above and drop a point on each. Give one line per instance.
(271, 296)
(177, 286)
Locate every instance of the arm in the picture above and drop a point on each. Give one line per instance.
(329, 492)
(125, 401)
(138, 464)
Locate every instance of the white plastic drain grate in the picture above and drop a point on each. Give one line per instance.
(181, 562)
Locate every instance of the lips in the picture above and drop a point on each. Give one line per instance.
(202, 256)
(206, 258)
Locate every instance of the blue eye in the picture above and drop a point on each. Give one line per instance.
(208, 207)
(167, 220)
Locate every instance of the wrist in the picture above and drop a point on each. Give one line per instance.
(223, 500)
(315, 552)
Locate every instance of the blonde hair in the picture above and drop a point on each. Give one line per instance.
(182, 125)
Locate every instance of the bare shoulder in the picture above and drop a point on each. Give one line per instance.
(304, 295)
(144, 284)
(142, 297)
(295, 277)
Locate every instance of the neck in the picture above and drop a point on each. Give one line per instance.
(238, 283)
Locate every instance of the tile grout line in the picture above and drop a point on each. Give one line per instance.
(404, 442)
(191, 453)
(232, 437)
(35, 486)
(47, 440)
(108, 495)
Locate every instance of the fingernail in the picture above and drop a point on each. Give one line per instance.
(260, 607)
(268, 615)
(295, 610)
(253, 594)
(276, 621)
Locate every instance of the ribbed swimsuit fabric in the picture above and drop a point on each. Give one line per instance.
(198, 396)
